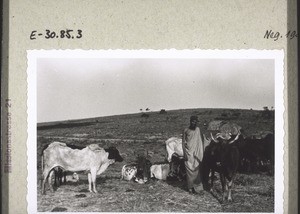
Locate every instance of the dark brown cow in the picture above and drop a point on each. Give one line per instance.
(257, 154)
(269, 150)
(222, 155)
(177, 168)
(143, 169)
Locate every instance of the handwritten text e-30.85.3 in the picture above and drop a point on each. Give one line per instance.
(62, 34)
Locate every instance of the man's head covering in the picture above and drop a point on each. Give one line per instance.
(194, 117)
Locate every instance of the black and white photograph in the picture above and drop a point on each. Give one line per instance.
(189, 131)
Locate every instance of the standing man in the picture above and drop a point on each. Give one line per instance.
(193, 153)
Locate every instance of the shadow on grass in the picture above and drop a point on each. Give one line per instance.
(177, 184)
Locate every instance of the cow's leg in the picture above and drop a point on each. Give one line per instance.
(64, 174)
(229, 190)
(224, 186)
(90, 181)
(51, 174)
(225, 193)
(54, 173)
(45, 176)
(43, 186)
(59, 177)
(212, 180)
(94, 176)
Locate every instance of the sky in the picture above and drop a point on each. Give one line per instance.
(69, 88)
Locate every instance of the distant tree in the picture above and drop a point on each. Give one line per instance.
(163, 111)
(141, 110)
(266, 113)
(147, 109)
(266, 108)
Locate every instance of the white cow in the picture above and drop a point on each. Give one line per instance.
(160, 171)
(174, 145)
(92, 159)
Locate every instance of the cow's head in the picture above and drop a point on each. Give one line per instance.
(143, 168)
(177, 167)
(114, 154)
(213, 149)
(128, 172)
(175, 164)
(225, 138)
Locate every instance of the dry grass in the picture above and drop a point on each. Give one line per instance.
(133, 135)
(123, 196)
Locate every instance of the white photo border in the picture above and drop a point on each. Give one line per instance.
(34, 55)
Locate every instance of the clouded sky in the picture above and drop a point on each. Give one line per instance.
(81, 88)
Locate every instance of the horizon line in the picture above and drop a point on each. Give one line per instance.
(111, 115)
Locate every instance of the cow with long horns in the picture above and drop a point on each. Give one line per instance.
(222, 155)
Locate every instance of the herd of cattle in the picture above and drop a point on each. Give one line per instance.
(225, 154)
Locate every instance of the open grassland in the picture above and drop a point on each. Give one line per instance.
(157, 126)
(132, 135)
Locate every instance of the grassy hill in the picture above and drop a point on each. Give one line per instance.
(155, 125)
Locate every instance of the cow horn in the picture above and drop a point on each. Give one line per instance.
(237, 136)
(224, 136)
(212, 137)
(219, 135)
